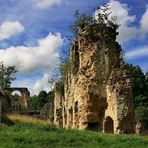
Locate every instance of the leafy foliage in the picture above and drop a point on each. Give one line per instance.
(102, 27)
(37, 102)
(102, 22)
(64, 69)
(59, 86)
(6, 102)
(142, 116)
(138, 79)
(140, 93)
(139, 85)
(6, 75)
(82, 22)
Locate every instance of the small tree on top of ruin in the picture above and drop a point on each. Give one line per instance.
(101, 20)
(99, 26)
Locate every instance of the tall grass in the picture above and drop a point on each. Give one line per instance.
(27, 133)
(27, 119)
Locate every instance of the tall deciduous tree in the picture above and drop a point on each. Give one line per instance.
(6, 75)
(139, 85)
(138, 79)
(37, 102)
(146, 83)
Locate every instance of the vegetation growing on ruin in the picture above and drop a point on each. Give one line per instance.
(93, 28)
(90, 28)
(101, 26)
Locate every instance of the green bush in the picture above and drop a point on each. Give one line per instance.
(6, 103)
(141, 114)
(38, 102)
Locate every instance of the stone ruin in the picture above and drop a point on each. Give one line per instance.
(23, 102)
(97, 90)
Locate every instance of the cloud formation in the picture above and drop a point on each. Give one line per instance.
(126, 32)
(41, 84)
(43, 4)
(44, 57)
(144, 22)
(137, 53)
(124, 19)
(35, 85)
(9, 29)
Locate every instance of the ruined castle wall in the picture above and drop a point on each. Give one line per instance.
(85, 88)
(97, 92)
(58, 119)
(120, 107)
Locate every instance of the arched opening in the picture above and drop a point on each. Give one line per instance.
(109, 125)
(93, 126)
(70, 117)
(16, 100)
(76, 114)
(65, 116)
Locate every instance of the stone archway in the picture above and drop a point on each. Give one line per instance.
(25, 94)
(70, 117)
(76, 123)
(16, 100)
(109, 125)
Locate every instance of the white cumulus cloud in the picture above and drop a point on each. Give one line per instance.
(43, 4)
(9, 29)
(144, 23)
(43, 57)
(34, 85)
(41, 84)
(120, 10)
(124, 19)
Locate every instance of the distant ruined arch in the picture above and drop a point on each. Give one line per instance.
(25, 94)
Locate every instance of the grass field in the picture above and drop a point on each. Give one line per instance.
(31, 133)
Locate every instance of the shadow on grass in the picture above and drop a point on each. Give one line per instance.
(6, 120)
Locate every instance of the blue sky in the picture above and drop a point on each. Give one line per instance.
(33, 32)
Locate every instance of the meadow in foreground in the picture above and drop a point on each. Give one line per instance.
(32, 133)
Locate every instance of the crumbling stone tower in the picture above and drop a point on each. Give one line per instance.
(97, 91)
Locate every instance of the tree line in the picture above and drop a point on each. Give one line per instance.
(140, 93)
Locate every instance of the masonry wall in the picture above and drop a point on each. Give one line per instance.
(58, 118)
(97, 93)
(120, 107)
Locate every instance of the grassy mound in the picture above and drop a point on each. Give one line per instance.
(42, 135)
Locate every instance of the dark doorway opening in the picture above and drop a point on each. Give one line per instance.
(109, 125)
(93, 126)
